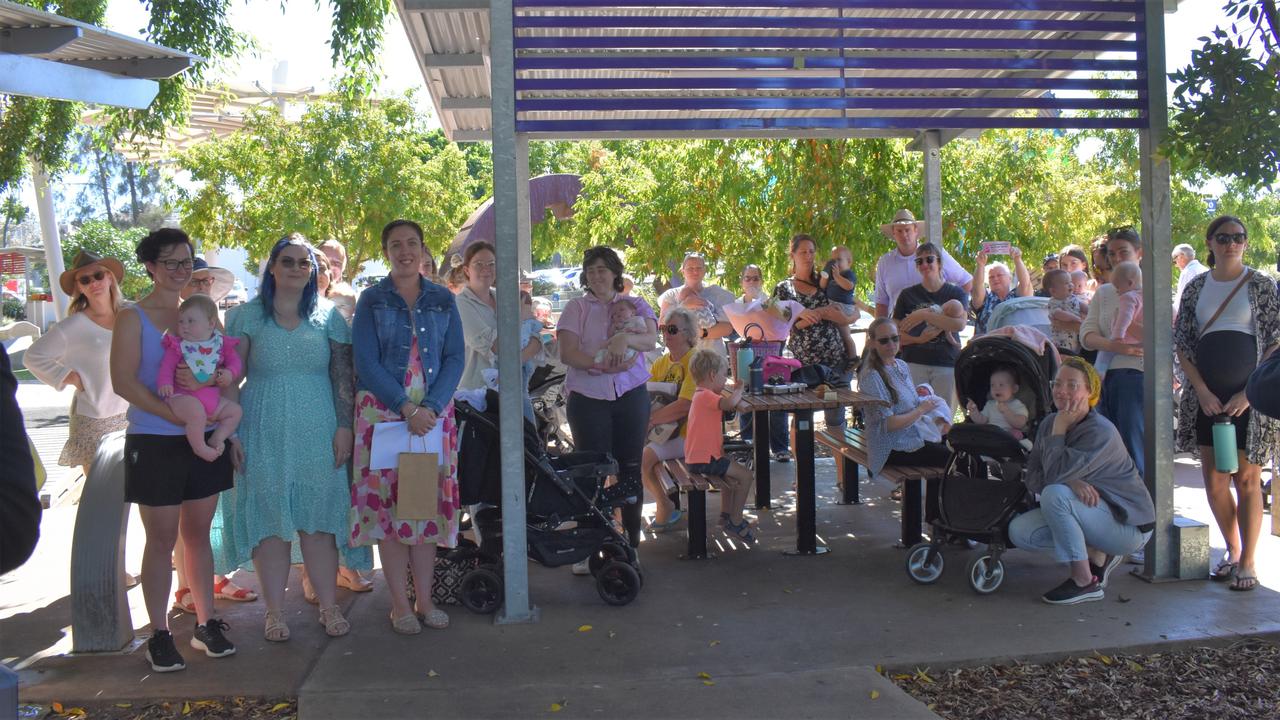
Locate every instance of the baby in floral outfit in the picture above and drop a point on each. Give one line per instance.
(206, 353)
(622, 319)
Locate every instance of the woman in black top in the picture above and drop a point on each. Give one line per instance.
(930, 316)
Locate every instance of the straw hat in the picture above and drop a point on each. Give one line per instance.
(223, 280)
(84, 259)
(902, 217)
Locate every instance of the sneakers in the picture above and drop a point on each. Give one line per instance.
(782, 456)
(1103, 571)
(1069, 593)
(582, 568)
(209, 638)
(162, 654)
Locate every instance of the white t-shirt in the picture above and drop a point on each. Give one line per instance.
(80, 344)
(1189, 273)
(994, 417)
(896, 272)
(1237, 316)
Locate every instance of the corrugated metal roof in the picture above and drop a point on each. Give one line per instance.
(92, 47)
(833, 67)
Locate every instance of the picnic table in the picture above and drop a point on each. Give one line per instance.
(802, 405)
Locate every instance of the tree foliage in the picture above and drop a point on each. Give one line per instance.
(107, 240)
(1226, 104)
(342, 171)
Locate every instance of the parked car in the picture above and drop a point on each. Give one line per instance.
(237, 296)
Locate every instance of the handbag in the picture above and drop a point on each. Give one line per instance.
(779, 370)
(446, 577)
(760, 348)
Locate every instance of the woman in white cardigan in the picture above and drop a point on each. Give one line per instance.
(76, 352)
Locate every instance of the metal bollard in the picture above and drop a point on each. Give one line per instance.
(1191, 540)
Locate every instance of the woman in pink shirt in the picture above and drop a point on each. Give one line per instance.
(608, 412)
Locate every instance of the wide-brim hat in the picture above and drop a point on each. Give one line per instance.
(902, 217)
(223, 280)
(82, 260)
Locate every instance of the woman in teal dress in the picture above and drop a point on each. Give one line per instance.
(296, 434)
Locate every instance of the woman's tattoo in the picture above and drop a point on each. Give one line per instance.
(342, 376)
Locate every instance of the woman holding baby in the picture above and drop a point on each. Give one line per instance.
(930, 316)
(477, 305)
(608, 412)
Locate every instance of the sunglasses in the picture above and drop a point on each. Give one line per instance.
(289, 263)
(926, 260)
(889, 339)
(1230, 238)
(86, 280)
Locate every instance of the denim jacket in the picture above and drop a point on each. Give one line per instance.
(381, 336)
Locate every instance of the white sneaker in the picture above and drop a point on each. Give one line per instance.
(582, 568)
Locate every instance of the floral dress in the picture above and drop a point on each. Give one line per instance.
(374, 492)
(820, 343)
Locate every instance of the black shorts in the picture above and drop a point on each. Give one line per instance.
(163, 470)
(716, 468)
(1204, 427)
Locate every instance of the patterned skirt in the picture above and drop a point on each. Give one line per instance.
(374, 492)
(85, 436)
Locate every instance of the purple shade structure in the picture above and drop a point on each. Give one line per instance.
(556, 192)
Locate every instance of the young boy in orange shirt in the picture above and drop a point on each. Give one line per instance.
(704, 439)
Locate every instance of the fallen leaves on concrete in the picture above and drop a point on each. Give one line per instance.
(1222, 683)
(205, 709)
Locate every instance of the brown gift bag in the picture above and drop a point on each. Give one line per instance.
(418, 477)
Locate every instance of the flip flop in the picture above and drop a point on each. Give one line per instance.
(1244, 583)
(1224, 571)
(670, 524)
(239, 594)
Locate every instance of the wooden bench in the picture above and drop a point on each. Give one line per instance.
(676, 476)
(849, 445)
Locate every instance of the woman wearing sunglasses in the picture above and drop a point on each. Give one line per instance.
(76, 352)
(893, 433)
(1230, 321)
(930, 316)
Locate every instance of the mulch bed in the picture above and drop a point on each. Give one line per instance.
(220, 709)
(1238, 681)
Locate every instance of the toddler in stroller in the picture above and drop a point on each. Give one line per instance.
(567, 514)
(982, 489)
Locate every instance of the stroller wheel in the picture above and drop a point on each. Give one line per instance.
(924, 564)
(986, 573)
(618, 583)
(481, 591)
(608, 551)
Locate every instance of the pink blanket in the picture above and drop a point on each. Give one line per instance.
(1030, 337)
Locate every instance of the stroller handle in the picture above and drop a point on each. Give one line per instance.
(470, 414)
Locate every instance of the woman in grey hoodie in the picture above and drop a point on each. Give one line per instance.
(1094, 508)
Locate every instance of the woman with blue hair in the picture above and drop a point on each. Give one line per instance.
(296, 434)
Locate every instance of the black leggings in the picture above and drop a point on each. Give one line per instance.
(931, 455)
(618, 427)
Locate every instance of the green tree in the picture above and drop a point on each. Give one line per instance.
(107, 240)
(14, 213)
(1226, 103)
(43, 129)
(342, 171)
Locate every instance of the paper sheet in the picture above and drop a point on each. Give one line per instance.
(392, 438)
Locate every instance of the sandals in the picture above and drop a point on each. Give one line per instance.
(1244, 580)
(183, 602)
(309, 591)
(238, 594)
(742, 530)
(275, 629)
(406, 624)
(355, 582)
(673, 520)
(896, 494)
(1224, 570)
(335, 625)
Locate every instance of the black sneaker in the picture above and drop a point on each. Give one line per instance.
(209, 638)
(1103, 571)
(162, 654)
(1069, 593)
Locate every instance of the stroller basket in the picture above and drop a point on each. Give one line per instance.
(977, 506)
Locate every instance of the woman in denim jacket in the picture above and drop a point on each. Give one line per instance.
(408, 365)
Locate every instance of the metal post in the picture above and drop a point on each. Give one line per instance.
(49, 232)
(931, 210)
(510, 225)
(1157, 313)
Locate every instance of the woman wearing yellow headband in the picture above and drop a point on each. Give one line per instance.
(1094, 508)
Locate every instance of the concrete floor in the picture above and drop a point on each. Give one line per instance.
(776, 634)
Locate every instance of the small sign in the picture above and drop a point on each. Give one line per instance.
(997, 248)
(13, 264)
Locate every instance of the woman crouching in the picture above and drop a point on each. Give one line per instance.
(1094, 508)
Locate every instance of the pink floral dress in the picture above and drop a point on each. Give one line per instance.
(373, 493)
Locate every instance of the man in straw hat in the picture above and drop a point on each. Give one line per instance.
(896, 269)
(209, 280)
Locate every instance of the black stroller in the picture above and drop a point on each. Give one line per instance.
(546, 392)
(568, 513)
(982, 489)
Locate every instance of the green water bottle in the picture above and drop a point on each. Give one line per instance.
(1225, 456)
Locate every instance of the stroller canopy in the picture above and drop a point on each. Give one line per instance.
(984, 354)
(1031, 311)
